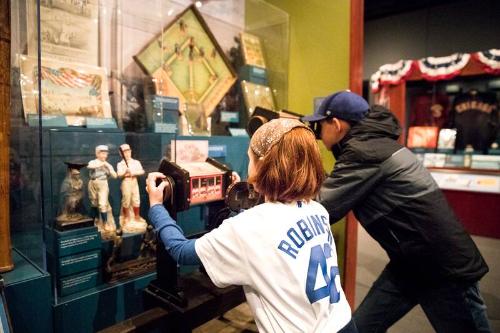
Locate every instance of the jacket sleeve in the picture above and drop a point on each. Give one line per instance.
(346, 187)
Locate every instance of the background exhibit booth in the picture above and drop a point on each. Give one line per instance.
(448, 109)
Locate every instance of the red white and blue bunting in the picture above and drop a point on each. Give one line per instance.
(490, 60)
(375, 82)
(433, 69)
(443, 68)
(391, 74)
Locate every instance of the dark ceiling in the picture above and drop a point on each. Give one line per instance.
(375, 9)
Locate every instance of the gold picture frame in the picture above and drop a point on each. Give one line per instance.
(75, 91)
(185, 61)
(257, 95)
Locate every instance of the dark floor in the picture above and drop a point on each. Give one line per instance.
(371, 260)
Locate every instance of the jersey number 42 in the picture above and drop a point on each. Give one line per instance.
(317, 259)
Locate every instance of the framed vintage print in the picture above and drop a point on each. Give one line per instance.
(185, 61)
(422, 137)
(252, 50)
(69, 30)
(447, 138)
(188, 151)
(257, 95)
(69, 90)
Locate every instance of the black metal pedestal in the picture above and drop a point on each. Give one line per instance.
(204, 303)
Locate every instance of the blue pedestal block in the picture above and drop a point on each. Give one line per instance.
(65, 243)
(77, 282)
(79, 263)
(253, 74)
(162, 113)
(74, 259)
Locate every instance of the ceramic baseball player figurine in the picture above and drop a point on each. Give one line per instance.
(129, 169)
(99, 172)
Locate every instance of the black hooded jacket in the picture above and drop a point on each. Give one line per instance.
(397, 201)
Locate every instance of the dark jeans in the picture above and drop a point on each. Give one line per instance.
(451, 308)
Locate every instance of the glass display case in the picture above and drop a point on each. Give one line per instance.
(93, 79)
(455, 117)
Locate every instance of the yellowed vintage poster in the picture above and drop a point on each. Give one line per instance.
(69, 30)
(67, 89)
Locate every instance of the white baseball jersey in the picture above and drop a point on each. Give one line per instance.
(284, 257)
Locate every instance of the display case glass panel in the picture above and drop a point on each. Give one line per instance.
(26, 202)
(80, 89)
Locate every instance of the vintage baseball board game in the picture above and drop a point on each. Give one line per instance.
(186, 61)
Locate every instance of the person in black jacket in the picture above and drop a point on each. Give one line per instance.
(433, 261)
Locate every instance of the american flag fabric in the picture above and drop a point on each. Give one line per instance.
(70, 78)
(391, 74)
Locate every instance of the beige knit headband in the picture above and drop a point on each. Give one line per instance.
(271, 132)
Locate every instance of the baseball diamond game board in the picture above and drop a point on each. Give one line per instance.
(186, 61)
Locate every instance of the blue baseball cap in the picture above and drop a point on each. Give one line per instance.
(344, 105)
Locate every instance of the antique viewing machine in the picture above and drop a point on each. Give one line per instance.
(260, 116)
(192, 183)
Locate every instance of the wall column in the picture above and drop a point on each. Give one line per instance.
(356, 37)
(5, 245)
